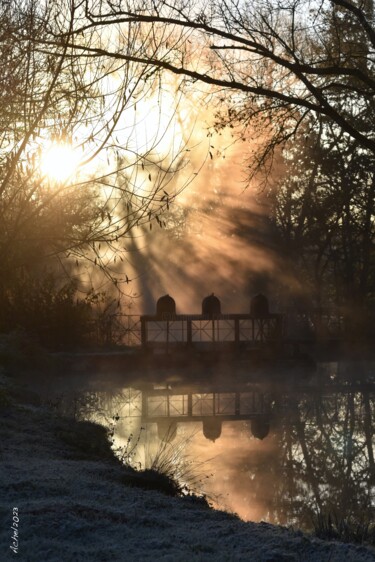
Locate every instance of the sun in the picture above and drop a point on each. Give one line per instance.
(59, 162)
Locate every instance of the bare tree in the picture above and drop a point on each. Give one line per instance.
(53, 91)
(272, 64)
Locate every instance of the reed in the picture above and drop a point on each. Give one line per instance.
(168, 468)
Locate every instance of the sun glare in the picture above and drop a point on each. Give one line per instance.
(59, 162)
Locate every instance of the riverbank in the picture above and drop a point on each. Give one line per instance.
(66, 498)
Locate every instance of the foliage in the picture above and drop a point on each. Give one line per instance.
(47, 311)
(54, 92)
(325, 196)
(323, 208)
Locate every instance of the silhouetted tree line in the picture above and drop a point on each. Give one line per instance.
(297, 80)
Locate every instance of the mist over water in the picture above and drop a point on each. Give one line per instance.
(317, 453)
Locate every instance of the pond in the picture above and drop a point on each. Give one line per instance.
(269, 448)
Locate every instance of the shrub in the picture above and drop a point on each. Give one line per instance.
(46, 309)
(168, 469)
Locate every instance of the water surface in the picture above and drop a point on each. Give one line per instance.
(271, 448)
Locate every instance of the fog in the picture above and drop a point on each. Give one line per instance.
(217, 240)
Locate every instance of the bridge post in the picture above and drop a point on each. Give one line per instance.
(143, 332)
(190, 405)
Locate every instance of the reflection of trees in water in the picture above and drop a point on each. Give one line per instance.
(101, 406)
(323, 459)
(319, 454)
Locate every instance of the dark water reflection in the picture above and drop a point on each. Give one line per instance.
(276, 450)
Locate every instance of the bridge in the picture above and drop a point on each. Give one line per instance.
(211, 330)
(214, 335)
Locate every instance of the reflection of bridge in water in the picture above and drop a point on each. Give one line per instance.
(169, 406)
